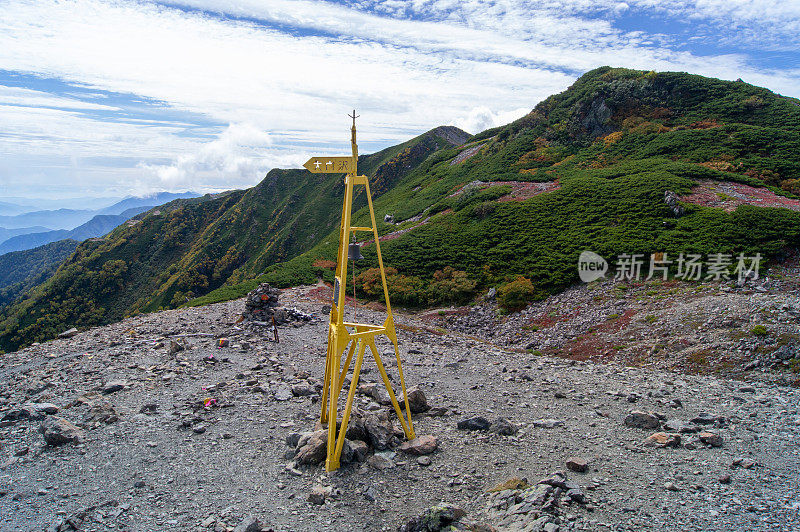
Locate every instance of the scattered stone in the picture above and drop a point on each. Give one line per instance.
(676, 425)
(283, 393)
(513, 483)
(724, 479)
(58, 431)
(114, 386)
(223, 342)
(663, 439)
(69, 333)
(417, 401)
(319, 494)
(100, 412)
(420, 445)
(360, 450)
(503, 427)
(424, 461)
(671, 486)
(380, 462)
(708, 419)
(174, 348)
(434, 519)
(380, 431)
(371, 494)
(548, 423)
(248, 524)
(579, 465)
(312, 448)
(642, 420)
(711, 438)
(303, 390)
(474, 423)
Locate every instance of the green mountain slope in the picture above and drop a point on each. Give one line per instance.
(513, 207)
(187, 248)
(606, 151)
(22, 270)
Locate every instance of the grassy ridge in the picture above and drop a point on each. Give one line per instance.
(615, 141)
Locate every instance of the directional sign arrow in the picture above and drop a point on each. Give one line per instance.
(330, 165)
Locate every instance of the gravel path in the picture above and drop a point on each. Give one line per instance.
(167, 463)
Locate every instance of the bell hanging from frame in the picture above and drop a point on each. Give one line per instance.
(354, 252)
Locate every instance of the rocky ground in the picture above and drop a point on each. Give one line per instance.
(178, 420)
(750, 332)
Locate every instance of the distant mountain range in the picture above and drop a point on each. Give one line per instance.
(98, 226)
(5, 234)
(72, 218)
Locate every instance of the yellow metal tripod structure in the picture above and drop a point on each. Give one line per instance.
(358, 336)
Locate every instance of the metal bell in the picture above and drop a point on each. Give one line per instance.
(354, 252)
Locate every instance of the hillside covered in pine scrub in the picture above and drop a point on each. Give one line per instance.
(587, 169)
(512, 207)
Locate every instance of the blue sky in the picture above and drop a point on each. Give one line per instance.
(118, 97)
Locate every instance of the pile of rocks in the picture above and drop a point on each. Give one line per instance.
(443, 517)
(261, 306)
(674, 429)
(371, 438)
(519, 506)
(261, 303)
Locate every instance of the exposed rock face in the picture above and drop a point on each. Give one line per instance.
(596, 121)
(673, 201)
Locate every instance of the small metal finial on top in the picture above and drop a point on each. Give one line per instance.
(354, 116)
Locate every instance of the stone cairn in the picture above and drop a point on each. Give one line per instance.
(261, 305)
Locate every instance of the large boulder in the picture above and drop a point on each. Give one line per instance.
(420, 445)
(312, 447)
(58, 431)
(380, 432)
(417, 401)
(642, 420)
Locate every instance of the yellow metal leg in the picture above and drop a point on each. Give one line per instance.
(324, 413)
(410, 432)
(389, 389)
(348, 407)
(346, 366)
(333, 400)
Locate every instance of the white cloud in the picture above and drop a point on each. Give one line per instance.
(495, 58)
(32, 98)
(482, 118)
(239, 153)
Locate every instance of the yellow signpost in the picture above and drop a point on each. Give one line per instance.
(355, 337)
(330, 165)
